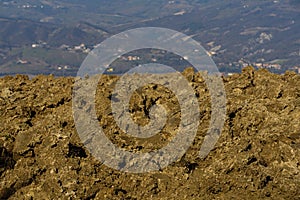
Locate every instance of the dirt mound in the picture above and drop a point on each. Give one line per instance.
(257, 155)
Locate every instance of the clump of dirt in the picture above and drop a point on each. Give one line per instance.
(257, 155)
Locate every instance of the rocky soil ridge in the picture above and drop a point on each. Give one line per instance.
(257, 155)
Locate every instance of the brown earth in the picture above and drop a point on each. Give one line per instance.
(256, 157)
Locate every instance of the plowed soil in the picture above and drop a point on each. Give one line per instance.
(256, 157)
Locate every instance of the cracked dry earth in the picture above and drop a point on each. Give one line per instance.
(256, 157)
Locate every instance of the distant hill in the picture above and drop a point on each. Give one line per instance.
(254, 31)
(235, 32)
(20, 32)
